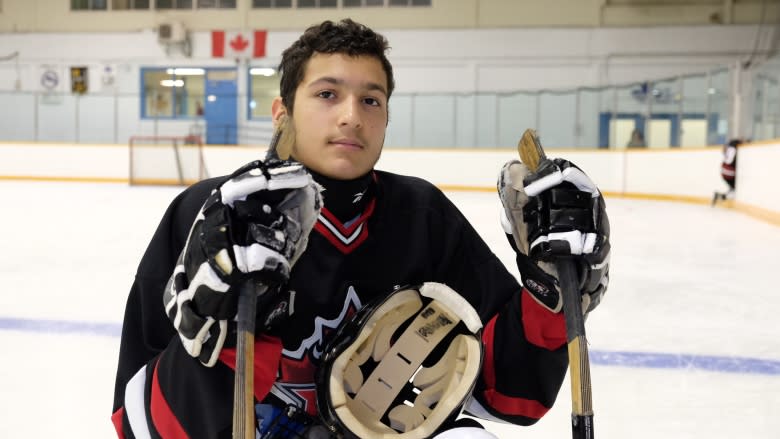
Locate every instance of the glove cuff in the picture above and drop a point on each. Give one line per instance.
(540, 281)
(208, 342)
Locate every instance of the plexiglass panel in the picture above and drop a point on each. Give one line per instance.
(486, 120)
(719, 95)
(558, 119)
(434, 121)
(17, 116)
(399, 130)
(516, 113)
(96, 121)
(685, 111)
(587, 126)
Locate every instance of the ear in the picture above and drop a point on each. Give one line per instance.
(278, 111)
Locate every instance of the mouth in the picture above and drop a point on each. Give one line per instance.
(346, 142)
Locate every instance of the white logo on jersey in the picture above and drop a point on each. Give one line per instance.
(295, 379)
(315, 340)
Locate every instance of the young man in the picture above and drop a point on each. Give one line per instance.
(372, 232)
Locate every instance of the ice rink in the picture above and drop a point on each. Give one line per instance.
(686, 344)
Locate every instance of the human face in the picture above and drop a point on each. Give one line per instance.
(340, 115)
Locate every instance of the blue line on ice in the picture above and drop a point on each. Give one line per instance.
(740, 365)
(713, 363)
(60, 327)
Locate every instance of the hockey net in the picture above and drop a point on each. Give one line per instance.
(166, 160)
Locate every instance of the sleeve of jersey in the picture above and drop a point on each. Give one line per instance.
(524, 365)
(175, 397)
(525, 354)
(146, 330)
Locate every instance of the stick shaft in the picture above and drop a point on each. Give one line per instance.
(244, 382)
(579, 362)
(532, 155)
(282, 141)
(243, 385)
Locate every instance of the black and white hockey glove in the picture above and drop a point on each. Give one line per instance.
(252, 228)
(556, 212)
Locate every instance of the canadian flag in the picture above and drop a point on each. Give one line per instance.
(234, 44)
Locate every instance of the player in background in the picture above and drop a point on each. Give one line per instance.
(371, 232)
(728, 170)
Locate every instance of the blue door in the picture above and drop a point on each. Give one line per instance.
(221, 110)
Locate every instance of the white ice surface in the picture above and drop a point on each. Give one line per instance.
(687, 281)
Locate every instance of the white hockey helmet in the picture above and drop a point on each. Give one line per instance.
(401, 367)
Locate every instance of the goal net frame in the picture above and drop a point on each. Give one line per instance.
(166, 160)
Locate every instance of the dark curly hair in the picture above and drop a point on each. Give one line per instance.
(346, 37)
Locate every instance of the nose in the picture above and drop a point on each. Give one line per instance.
(349, 114)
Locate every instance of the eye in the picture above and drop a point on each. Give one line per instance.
(326, 94)
(373, 102)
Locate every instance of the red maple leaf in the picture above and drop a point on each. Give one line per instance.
(239, 43)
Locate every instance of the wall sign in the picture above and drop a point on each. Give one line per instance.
(78, 80)
(50, 79)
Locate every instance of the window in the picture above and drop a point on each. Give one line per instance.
(361, 3)
(307, 4)
(373, 3)
(264, 87)
(88, 5)
(172, 93)
(317, 3)
(271, 3)
(217, 4)
(118, 5)
(173, 4)
(410, 2)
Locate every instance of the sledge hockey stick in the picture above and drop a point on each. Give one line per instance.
(532, 155)
(244, 381)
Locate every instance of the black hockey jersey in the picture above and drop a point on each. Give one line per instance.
(729, 165)
(408, 233)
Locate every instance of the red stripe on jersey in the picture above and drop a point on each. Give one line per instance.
(508, 405)
(268, 352)
(512, 405)
(164, 420)
(340, 238)
(116, 419)
(542, 327)
(344, 230)
(346, 249)
(728, 171)
(489, 368)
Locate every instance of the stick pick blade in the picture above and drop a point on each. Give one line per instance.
(530, 149)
